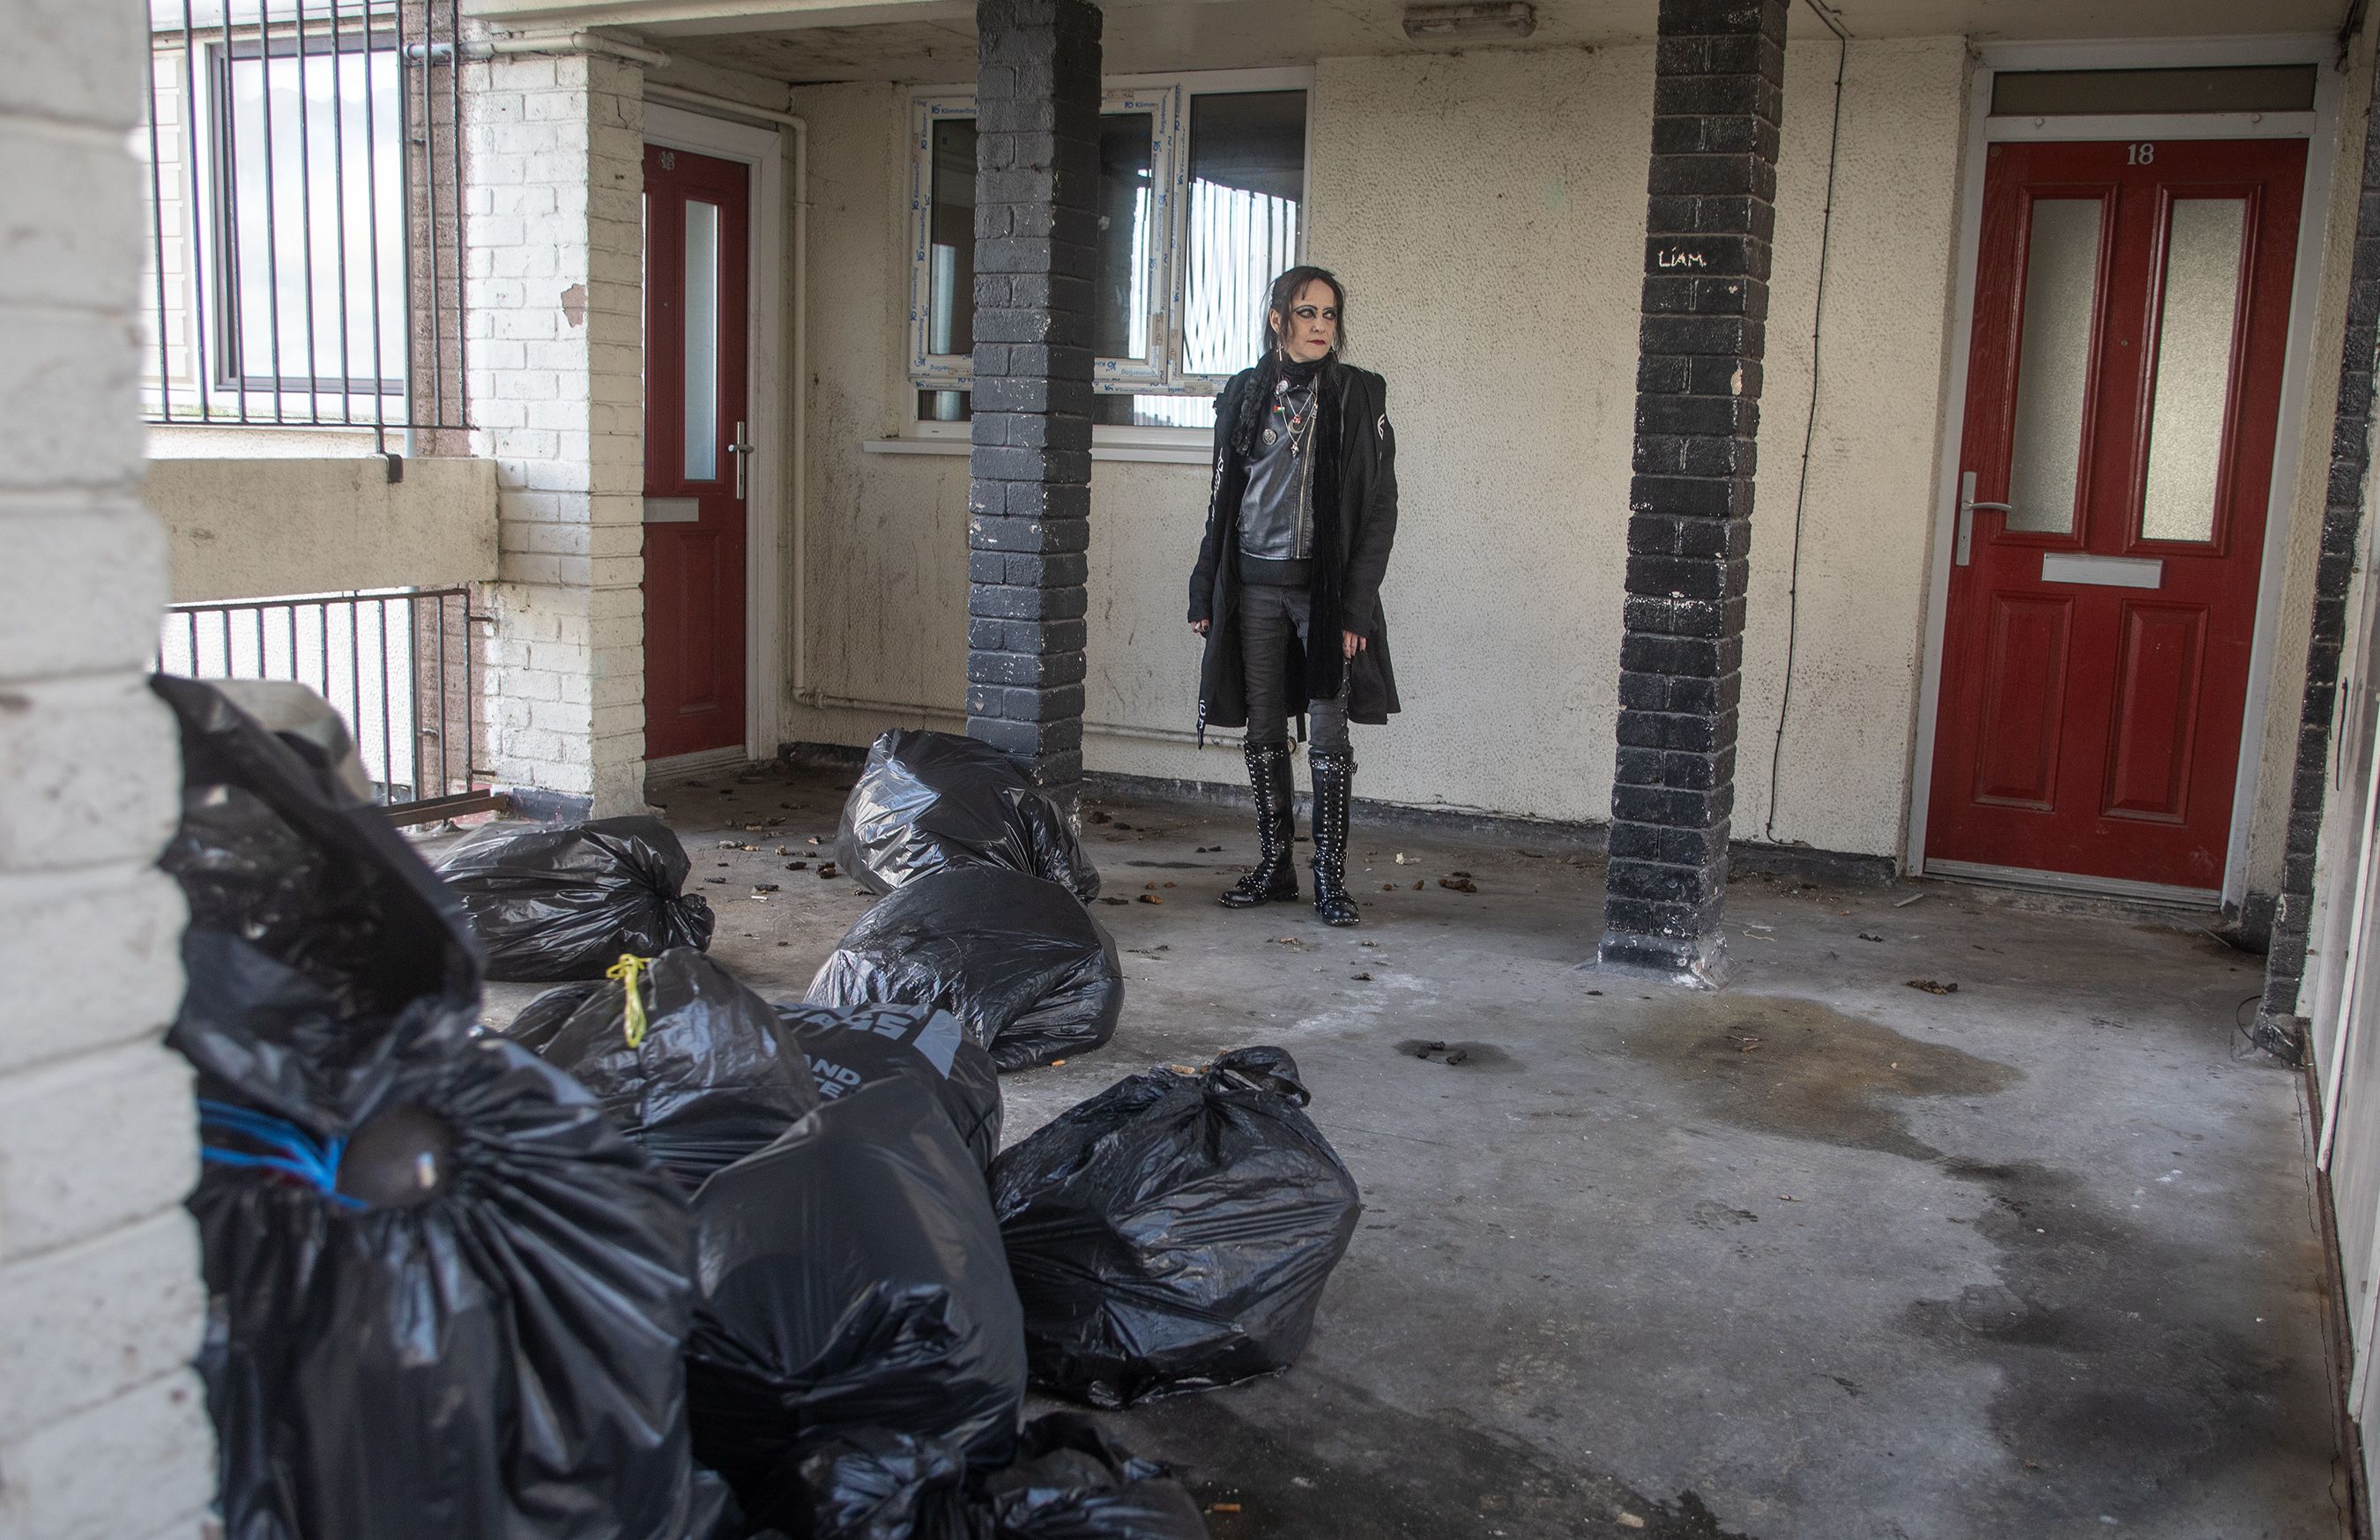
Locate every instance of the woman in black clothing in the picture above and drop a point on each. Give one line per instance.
(1287, 589)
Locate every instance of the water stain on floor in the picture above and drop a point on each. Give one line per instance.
(2127, 1366)
(1806, 1071)
(2135, 1361)
(1307, 1456)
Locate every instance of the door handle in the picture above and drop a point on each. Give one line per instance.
(742, 451)
(1967, 506)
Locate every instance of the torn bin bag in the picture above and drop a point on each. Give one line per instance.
(851, 1045)
(700, 1073)
(1175, 1232)
(1015, 958)
(926, 801)
(553, 904)
(850, 1275)
(446, 1299)
(274, 847)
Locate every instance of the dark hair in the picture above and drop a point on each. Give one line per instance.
(1283, 295)
(1278, 301)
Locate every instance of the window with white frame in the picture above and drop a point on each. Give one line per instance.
(305, 255)
(309, 217)
(1201, 201)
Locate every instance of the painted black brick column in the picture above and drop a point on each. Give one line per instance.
(2342, 518)
(1718, 92)
(1029, 496)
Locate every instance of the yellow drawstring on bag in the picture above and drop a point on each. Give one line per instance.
(628, 970)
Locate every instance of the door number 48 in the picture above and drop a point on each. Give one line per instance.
(2143, 153)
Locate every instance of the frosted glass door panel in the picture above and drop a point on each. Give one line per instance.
(2053, 364)
(701, 341)
(2193, 367)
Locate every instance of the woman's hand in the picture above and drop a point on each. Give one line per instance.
(1352, 643)
(1199, 626)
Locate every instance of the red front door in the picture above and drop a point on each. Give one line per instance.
(2132, 311)
(696, 449)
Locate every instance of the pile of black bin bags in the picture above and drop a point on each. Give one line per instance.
(986, 917)
(446, 1298)
(664, 1260)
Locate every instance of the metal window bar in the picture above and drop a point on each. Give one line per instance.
(306, 196)
(399, 667)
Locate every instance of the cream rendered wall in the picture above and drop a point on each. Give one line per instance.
(885, 588)
(1486, 211)
(1856, 613)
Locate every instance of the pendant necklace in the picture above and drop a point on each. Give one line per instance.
(1297, 415)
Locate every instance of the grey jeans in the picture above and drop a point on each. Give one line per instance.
(1266, 616)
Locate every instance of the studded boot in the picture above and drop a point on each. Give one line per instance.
(1275, 876)
(1334, 777)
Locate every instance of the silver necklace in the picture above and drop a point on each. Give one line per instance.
(1300, 418)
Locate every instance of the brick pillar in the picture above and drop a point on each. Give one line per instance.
(554, 286)
(102, 1426)
(1710, 217)
(2342, 520)
(1028, 504)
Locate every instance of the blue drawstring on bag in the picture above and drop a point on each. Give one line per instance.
(295, 1151)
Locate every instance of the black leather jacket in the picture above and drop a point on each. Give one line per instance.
(1276, 505)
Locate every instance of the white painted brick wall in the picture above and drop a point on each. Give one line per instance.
(103, 1430)
(556, 169)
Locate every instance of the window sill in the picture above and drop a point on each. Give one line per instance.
(1152, 453)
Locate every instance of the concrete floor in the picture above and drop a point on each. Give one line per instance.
(1822, 1256)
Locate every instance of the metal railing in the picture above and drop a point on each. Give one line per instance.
(400, 668)
(305, 191)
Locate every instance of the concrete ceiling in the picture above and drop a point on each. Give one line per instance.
(934, 41)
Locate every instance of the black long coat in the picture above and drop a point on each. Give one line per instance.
(1354, 524)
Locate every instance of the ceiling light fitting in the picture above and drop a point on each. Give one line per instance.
(1508, 18)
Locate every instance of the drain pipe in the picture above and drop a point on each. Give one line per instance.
(799, 478)
(578, 41)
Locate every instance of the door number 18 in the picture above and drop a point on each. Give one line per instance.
(2140, 155)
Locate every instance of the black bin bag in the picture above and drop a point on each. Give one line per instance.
(850, 1275)
(851, 1045)
(273, 848)
(926, 801)
(565, 902)
(1070, 1481)
(542, 1019)
(445, 1297)
(1174, 1232)
(699, 1073)
(1028, 970)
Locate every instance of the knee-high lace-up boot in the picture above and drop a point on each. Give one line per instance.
(1334, 777)
(1275, 876)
